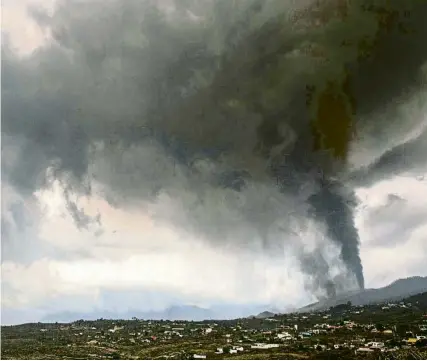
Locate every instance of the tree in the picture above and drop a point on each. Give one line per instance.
(395, 343)
(401, 329)
(380, 327)
(421, 343)
(115, 356)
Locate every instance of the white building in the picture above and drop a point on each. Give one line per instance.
(364, 350)
(375, 345)
(238, 348)
(284, 336)
(265, 346)
(219, 350)
(199, 357)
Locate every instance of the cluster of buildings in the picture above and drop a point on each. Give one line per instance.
(309, 332)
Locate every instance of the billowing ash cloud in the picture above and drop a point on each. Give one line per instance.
(232, 119)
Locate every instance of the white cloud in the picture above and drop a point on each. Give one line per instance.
(28, 285)
(135, 253)
(393, 235)
(23, 31)
(199, 274)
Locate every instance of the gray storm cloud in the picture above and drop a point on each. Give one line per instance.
(232, 119)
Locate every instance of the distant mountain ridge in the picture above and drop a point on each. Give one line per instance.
(397, 290)
(265, 314)
(182, 312)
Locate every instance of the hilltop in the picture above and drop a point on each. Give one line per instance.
(397, 290)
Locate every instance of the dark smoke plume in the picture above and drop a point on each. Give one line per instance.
(335, 208)
(236, 120)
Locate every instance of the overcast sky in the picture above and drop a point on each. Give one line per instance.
(64, 250)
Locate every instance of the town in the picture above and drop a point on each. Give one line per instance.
(390, 330)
